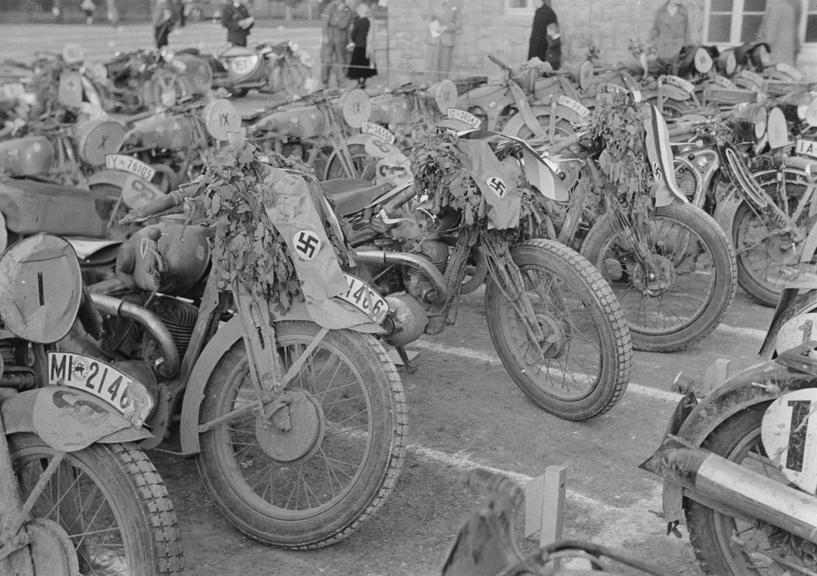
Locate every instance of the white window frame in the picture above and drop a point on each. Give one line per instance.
(806, 12)
(737, 22)
(529, 9)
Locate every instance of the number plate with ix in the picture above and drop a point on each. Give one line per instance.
(100, 379)
(366, 299)
(130, 165)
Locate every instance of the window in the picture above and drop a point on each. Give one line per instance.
(811, 22)
(735, 21)
(520, 5)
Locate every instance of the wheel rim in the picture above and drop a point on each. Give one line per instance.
(76, 508)
(688, 290)
(364, 165)
(749, 453)
(570, 365)
(771, 260)
(330, 456)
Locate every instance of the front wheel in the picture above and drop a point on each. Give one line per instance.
(729, 546)
(326, 459)
(683, 292)
(583, 366)
(105, 504)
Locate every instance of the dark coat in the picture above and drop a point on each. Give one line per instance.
(230, 18)
(538, 45)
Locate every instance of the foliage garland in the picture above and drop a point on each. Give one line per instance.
(247, 248)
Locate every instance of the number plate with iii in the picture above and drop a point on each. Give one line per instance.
(130, 165)
(100, 379)
(364, 298)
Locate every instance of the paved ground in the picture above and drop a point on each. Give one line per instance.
(464, 410)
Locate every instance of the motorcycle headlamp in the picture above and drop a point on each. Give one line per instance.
(760, 121)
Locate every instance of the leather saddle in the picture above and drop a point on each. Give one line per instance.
(351, 195)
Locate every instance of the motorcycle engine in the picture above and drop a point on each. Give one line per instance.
(416, 283)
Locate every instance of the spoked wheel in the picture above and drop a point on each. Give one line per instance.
(729, 546)
(685, 294)
(768, 258)
(364, 165)
(582, 366)
(328, 455)
(689, 181)
(105, 510)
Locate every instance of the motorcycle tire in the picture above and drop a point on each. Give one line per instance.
(763, 271)
(126, 502)
(273, 513)
(713, 533)
(602, 351)
(711, 259)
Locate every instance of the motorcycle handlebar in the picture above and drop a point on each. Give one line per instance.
(499, 63)
(153, 207)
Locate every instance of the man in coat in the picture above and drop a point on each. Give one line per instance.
(238, 22)
(670, 30)
(542, 18)
(443, 20)
(780, 29)
(337, 26)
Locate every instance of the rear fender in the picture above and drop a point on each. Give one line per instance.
(67, 419)
(224, 339)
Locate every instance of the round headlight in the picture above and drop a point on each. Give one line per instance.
(760, 120)
(703, 61)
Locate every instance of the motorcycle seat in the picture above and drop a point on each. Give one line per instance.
(351, 195)
(193, 51)
(236, 51)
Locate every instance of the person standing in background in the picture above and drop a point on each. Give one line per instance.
(88, 7)
(542, 18)
(238, 22)
(670, 30)
(337, 25)
(444, 19)
(780, 29)
(362, 45)
(162, 22)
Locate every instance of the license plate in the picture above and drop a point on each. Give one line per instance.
(131, 165)
(806, 148)
(100, 379)
(360, 295)
(577, 107)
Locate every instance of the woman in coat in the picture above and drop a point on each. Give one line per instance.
(542, 18)
(670, 30)
(780, 29)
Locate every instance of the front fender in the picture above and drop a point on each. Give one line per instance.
(224, 339)
(67, 419)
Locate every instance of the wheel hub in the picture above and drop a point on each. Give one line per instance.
(784, 250)
(295, 430)
(555, 340)
(51, 550)
(654, 279)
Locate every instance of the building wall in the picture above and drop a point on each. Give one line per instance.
(489, 29)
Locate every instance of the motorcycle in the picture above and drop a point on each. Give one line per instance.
(553, 320)
(77, 494)
(259, 350)
(486, 543)
(737, 462)
(671, 266)
(266, 67)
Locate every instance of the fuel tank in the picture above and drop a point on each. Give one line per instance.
(163, 132)
(29, 156)
(298, 122)
(184, 248)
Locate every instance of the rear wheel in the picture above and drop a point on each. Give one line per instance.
(692, 282)
(326, 460)
(105, 505)
(582, 367)
(728, 546)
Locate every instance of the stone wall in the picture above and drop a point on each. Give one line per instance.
(489, 29)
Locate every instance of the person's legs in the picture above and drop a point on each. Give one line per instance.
(446, 58)
(432, 65)
(341, 56)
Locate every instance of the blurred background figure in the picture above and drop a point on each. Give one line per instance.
(363, 33)
(444, 19)
(670, 30)
(238, 22)
(554, 51)
(542, 18)
(112, 12)
(337, 27)
(162, 22)
(88, 7)
(780, 30)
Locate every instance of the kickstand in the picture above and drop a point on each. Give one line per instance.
(401, 351)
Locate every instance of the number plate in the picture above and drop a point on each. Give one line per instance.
(129, 164)
(806, 148)
(577, 107)
(463, 116)
(100, 379)
(377, 130)
(364, 298)
(684, 85)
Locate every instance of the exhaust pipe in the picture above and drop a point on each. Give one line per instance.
(382, 257)
(168, 366)
(704, 473)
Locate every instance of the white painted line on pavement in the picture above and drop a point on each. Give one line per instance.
(491, 358)
(754, 333)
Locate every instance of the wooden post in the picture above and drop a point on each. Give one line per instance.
(545, 505)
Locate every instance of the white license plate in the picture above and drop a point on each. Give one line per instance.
(131, 165)
(100, 379)
(806, 148)
(364, 298)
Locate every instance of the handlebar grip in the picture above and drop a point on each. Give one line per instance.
(498, 62)
(161, 204)
(563, 143)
